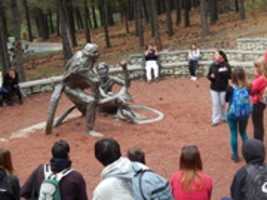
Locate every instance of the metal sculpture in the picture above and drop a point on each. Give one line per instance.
(90, 90)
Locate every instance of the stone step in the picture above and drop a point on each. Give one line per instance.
(252, 44)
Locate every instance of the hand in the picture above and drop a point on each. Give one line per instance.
(212, 75)
(123, 64)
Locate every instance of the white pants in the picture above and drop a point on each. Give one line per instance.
(218, 106)
(151, 65)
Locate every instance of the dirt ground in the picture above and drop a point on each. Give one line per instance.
(187, 121)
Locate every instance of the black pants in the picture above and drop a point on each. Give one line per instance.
(257, 120)
(193, 64)
(11, 93)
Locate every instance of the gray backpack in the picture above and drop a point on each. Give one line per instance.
(147, 185)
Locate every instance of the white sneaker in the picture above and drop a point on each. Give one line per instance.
(95, 134)
(194, 78)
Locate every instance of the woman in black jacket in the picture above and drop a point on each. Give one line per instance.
(9, 183)
(219, 75)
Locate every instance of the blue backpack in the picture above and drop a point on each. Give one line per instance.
(148, 185)
(240, 106)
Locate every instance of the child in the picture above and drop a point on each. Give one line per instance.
(257, 89)
(136, 155)
(239, 110)
(151, 64)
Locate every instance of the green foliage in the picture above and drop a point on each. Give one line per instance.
(256, 4)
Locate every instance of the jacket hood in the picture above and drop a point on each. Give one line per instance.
(122, 168)
(2, 174)
(253, 151)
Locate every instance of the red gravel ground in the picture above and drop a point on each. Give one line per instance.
(187, 121)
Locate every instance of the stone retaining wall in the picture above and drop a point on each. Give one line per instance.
(173, 63)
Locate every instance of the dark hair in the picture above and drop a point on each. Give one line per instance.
(136, 154)
(60, 149)
(6, 160)
(107, 151)
(239, 75)
(190, 164)
(223, 54)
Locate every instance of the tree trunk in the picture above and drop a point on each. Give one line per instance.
(236, 6)
(136, 17)
(71, 22)
(51, 24)
(187, 6)
(242, 9)
(204, 18)
(87, 17)
(169, 18)
(126, 18)
(5, 61)
(178, 12)
(155, 24)
(79, 18)
(94, 16)
(58, 22)
(65, 29)
(105, 21)
(213, 10)
(140, 22)
(28, 19)
(145, 10)
(16, 23)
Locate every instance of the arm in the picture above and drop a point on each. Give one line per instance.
(238, 185)
(82, 194)
(30, 185)
(189, 55)
(16, 187)
(211, 75)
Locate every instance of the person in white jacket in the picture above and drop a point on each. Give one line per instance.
(193, 57)
(116, 183)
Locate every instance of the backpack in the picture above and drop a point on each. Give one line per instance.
(5, 188)
(147, 185)
(256, 182)
(240, 106)
(49, 189)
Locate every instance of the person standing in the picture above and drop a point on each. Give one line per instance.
(151, 62)
(257, 90)
(239, 109)
(190, 182)
(219, 75)
(193, 57)
(9, 183)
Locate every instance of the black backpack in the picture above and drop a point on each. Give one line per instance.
(5, 188)
(256, 182)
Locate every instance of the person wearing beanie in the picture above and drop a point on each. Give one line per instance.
(253, 151)
(72, 186)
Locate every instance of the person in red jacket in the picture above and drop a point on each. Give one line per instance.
(190, 183)
(257, 89)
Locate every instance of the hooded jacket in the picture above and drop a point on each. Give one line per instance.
(116, 181)
(254, 154)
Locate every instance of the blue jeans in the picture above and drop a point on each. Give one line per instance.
(236, 125)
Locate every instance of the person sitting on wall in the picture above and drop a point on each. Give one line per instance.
(193, 57)
(151, 62)
(10, 88)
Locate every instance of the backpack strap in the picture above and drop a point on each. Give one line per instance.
(48, 174)
(142, 172)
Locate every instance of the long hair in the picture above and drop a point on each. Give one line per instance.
(239, 77)
(190, 165)
(223, 54)
(6, 161)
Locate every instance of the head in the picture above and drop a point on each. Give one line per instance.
(220, 56)
(253, 151)
(190, 165)
(107, 151)
(190, 158)
(239, 77)
(264, 65)
(258, 67)
(60, 156)
(60, 150)
(12, 72)
(137, 155)
(102, 70)
(90, 50)
(6, 161)
(194, 47)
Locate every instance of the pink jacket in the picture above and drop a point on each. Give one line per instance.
(201, 188)
(258, 86)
